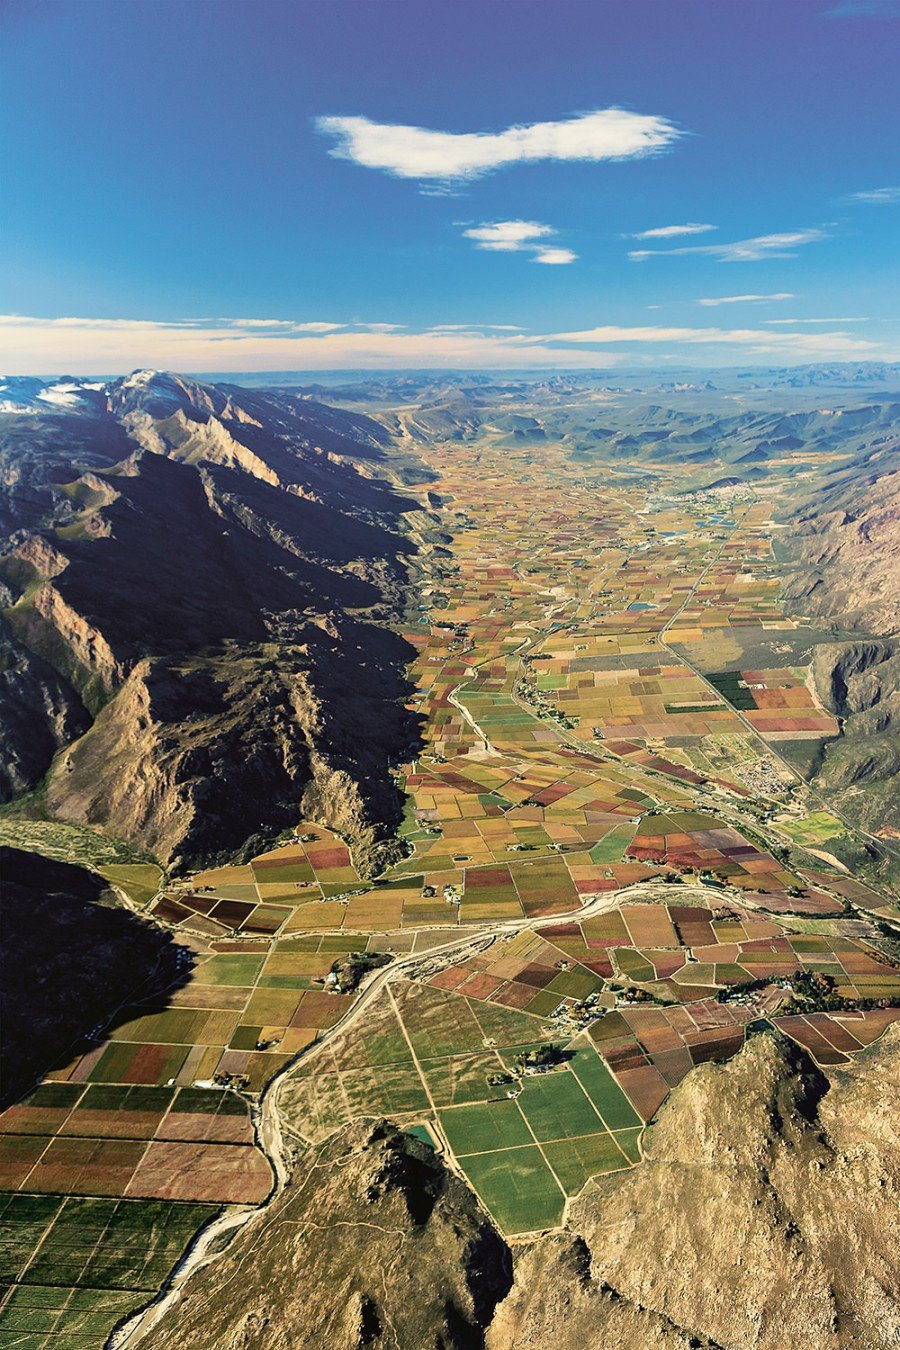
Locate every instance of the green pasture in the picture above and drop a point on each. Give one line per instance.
(603, 1090)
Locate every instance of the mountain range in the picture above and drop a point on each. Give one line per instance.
(200, 588)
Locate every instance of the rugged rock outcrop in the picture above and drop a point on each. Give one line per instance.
(200, 757)
(860, 683)
(557, 1302)
(374, 1244)
(846, 540)
(41, 713)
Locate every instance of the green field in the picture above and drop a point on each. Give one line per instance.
(484, 1127)
(629, 1143)
(574, 1160)
(517, 1187)
(816, 828)
(76, 1266)
(632, 965)
(611, 848)
(728, 683)
(603, 1090)
(556, 1107)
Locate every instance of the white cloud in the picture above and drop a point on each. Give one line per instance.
(316, 327)
(259, 323)
(104, 346)
(844, 319)
(519, 236)
(884, 196)
(672, 231)
(743, 250)
(556, 257)
(445, 156)
(474, 328)
(146, 325)
(759, 341)
(712, 300)
(507, 236)
(285, 325)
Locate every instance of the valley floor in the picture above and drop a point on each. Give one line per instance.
(613, 872)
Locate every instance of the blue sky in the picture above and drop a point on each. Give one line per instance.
(248, 184)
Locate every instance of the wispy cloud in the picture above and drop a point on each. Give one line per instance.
(262, 323)
(672, 231)
(757, 340)
(742, 250)
(883, 196)
(91, 346)
(519, 236)
(475, 328)
(712, 300)
(455, 157)
(285, 325)
(853, 318)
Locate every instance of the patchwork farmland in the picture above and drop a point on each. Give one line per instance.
(608, 873)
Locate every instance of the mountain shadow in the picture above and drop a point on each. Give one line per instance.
(70, 963)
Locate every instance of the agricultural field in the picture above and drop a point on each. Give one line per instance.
(431, 1057)
(621, 1006)
(73, 1268)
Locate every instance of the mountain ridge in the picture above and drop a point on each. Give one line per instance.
(259, 524)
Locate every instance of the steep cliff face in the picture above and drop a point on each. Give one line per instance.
(374, 1244)
(41, 713)
(198, 758)
(220, 599)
